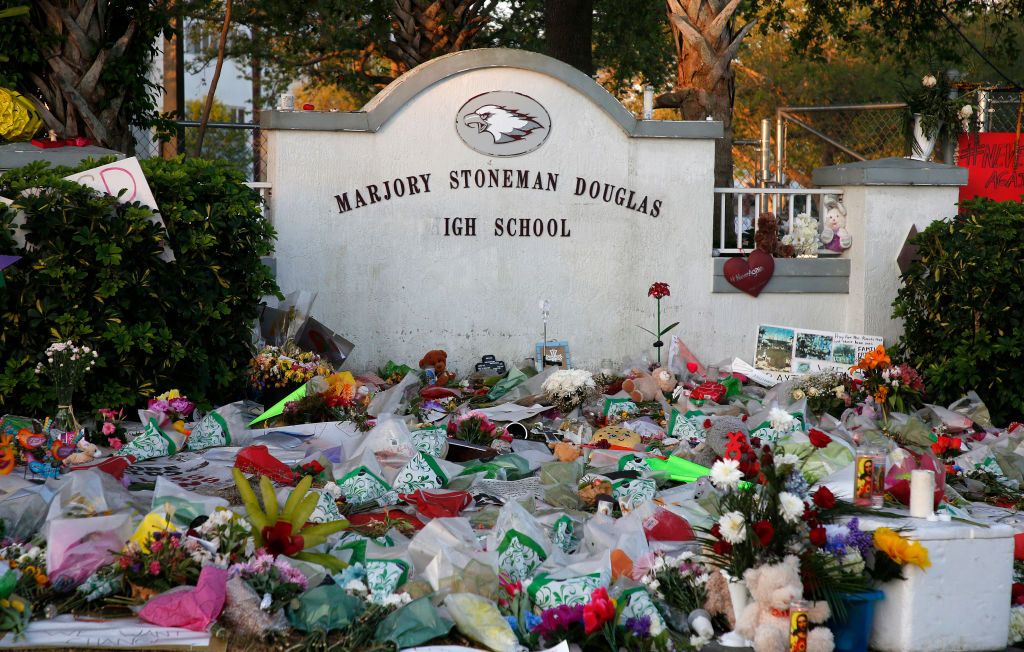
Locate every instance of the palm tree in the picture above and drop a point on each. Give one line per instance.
(424, 29)
(706, 42)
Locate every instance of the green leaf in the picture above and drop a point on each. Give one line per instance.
(667, 328)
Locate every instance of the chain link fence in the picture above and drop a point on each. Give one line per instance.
(1003, 110)
(239, 143)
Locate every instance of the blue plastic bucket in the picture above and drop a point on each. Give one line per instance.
(854, 632)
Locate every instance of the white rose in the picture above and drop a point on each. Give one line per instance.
(966, 111)
(813, 391)
(798, 394)
(929, 81)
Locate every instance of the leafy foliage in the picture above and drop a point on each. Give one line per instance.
(963, 315)
(94, 275)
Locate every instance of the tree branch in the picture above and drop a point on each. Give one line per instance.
(721, 21)
(727, 55)
(687, 29)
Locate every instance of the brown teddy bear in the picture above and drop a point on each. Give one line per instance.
(641, 388)
(438, 360)
(767, 237)
(766, 620)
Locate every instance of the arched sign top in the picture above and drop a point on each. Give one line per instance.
(403, 90)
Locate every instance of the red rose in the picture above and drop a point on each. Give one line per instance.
(716, 531)
(722, 548)
(824, 498)
(818, 438)
(764, 531)
(818, 536)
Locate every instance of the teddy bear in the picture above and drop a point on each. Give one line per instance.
(640, 387)
(834, 233)
(767, 237)
(766, 620)
(438, 361)
(86, 453)
(666, 380)
(715, 439)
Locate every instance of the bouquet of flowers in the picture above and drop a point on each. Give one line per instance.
(335, 398)
(162, 564)
(826, 392)
(109, 430)
(804, 235)
(29, 560)
(680, 582)
(66, 364)
(879, 557)
(568, 389)
(172, 407)
(893, 387)
(279, 370)
(940, 114)
(275, 579)
(223, 539)
(767, 511)
(473, 427)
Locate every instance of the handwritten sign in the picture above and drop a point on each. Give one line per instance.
(995, 164)
(125, 180)
(784, 351)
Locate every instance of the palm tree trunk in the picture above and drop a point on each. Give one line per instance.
(706, 43)
(424, 29)
(568, 32)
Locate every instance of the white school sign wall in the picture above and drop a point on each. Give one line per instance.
(482, 182)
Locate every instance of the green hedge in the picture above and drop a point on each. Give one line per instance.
(963, 307)
(95, 276)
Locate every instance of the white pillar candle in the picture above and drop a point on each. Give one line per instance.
(922, 493)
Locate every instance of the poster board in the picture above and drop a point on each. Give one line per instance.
(784, 351)
(125, 180)
(995, 166)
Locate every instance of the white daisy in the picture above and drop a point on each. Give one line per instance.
(725, 474)
(733, 527)
(791, 507)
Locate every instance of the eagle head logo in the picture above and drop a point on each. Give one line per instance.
(505, 125)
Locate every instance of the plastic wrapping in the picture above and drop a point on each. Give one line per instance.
(194, 608)
(390, 400)
(325, 608)
(413, 624)
(479, 620)
(182, 505)
(522, 543)
(225, 426)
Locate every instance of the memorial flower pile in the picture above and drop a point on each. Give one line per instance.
(274, 579)
(898, 388)
(825, 392)
(281, 368)
(156, 566)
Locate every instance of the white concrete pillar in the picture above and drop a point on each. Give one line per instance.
(883, 199)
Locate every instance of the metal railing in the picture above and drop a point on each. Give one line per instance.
(744, 205)
(239, 143)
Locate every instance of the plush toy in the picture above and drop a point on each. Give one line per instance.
(718, 601)
(566, 451)
(589, 491)
(86, 453)
(715, 439)
(834, 233)
(643, 387)
(666, 380)
(438, 361)
(766, 620)
(617, 436)
(767, 237)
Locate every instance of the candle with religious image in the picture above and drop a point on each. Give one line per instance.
(869, 477)
(799, 625)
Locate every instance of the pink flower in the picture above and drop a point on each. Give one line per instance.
(115, 443)
(154, 568)
(156, 546)
(109, 428)
(158, 406)
(182, 406)
(124, 562)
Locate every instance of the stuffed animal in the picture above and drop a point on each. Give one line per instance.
(643, 387)
(766, 620)
(718, 601)
(438, 361)
(767, 237)
(617, 436)
(715, 439)
(666, 380)
(834, 233)
(86, 453)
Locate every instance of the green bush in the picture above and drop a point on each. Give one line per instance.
(963, 307)
(95, 276)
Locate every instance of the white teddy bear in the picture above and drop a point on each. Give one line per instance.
(834, 233)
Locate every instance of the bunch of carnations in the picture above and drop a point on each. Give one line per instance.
(277, 581)
(66, 364)
(163, 564)
(109, 430)
(893, 387)
(827, 392)
(473, 427)
(568, 389)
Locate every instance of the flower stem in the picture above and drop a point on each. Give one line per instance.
(658, 338)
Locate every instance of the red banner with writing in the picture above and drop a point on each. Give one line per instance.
(995, 164)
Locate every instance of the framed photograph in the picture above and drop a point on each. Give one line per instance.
(552, 354)
(774, 348)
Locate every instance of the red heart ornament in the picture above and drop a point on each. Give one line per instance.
(750, 274)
